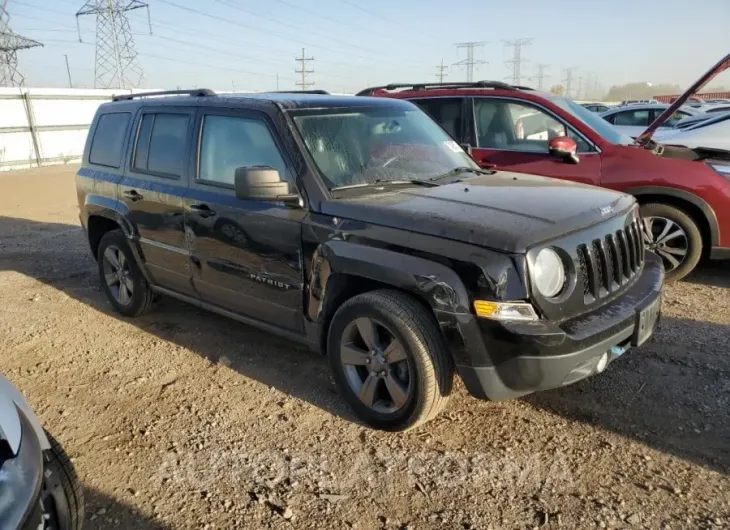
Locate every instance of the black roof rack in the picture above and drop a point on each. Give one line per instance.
(440, 86)
(196, 93)
(298, 92)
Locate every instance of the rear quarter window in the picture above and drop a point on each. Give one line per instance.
(108, 140)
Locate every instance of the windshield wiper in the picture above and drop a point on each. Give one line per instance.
(463, 169)
(381, 182)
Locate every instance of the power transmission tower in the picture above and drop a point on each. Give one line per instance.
(470, 61)
(117, 62)
(517, 59)
(10, 43)
(580, 87)
(441, 73)
(541, 75)
(569, 81)
(303, 71)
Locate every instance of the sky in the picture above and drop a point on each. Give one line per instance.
(247, 45)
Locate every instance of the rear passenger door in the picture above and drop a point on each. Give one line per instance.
(153, 187)
(246, 254)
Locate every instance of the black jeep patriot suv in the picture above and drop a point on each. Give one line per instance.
(357, 226)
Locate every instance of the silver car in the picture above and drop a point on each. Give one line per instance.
(634, 119)
(39, 488)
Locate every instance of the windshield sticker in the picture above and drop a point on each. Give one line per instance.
(456, 148)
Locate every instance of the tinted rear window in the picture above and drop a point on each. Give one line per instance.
(108, 141)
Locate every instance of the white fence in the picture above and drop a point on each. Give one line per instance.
(40, 126)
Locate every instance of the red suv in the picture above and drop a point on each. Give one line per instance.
(684, 193)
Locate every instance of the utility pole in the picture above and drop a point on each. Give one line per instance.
(470, 61)
(303, 71)
(517, 59)
(440, 75)
(580, 87)
(10, 43)
(569, 80)
(541, 75)
(68, 71)
(117, 63)
(277, 81)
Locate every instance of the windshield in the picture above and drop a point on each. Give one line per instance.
(594, 121)
(375, 144)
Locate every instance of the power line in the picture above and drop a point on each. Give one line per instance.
(470, 61)
(116, 63)
(540, 75)
(10, 44)
(303, 71)
(517, 59)
(440, 75)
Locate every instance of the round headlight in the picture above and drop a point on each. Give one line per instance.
(549, 273)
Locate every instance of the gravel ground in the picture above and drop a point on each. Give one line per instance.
(183, 419)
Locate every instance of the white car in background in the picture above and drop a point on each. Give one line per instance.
(712, 133)
(634, 119)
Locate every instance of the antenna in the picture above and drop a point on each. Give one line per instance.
(10, 43)
(470, 61)
(116, 64)
(517, 59)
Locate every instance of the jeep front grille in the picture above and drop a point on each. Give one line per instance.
(607, 264)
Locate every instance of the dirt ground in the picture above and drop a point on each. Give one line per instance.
(183, 419)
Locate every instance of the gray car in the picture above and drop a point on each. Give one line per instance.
(39, 488)
(634, 119)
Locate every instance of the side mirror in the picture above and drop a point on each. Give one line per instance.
(262, 183)
(564, 148)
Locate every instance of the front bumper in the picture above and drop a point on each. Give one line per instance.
(20, 490)
(504, 360)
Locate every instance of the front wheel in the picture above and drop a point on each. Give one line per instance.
(62, 494)
(121, 278)
(389, 360)
(674, 236)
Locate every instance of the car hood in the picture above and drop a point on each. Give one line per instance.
(721, 66)
(505, 211)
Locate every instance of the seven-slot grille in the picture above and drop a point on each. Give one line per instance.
(609, 263)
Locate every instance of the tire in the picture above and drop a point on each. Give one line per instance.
(692, 236)
(63, 497)
(142, 297)
(428, 376)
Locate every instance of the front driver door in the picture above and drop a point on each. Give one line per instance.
(513, 135)
(246, 255)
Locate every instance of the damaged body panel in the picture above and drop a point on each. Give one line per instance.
(294, 212)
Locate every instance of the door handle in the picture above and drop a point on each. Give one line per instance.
(203, 210)
(132, 195)
(486, 164)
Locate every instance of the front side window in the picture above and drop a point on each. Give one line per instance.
(108, 141)
(673, 120)
(230, 142)
(160, 146)
(596, 122)
(514, 126)
(386, 143)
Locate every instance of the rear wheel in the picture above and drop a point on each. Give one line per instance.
(389, 360)
(674, 236)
